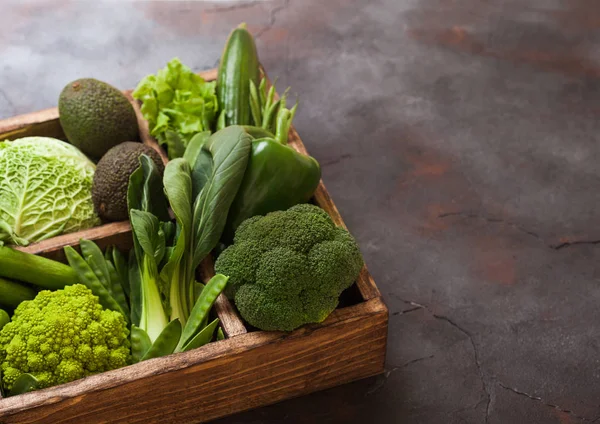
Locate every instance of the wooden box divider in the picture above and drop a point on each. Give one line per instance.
(246, 370)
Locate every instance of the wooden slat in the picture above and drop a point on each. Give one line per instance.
(114, 234)
(230, 320)
(218, 379)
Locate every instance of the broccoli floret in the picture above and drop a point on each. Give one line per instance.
(61, 336)
(288, 268)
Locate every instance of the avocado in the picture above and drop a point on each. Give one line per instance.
(111, 179)
(95, 116)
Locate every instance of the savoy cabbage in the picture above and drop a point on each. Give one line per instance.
(45, 190)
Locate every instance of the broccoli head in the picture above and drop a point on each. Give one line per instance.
(288, 268)
(61, 336)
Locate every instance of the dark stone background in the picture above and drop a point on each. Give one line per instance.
(459, 139)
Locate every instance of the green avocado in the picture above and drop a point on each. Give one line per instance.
(111, 179)
(95, 116)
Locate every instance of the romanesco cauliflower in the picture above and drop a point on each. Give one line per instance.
(61, 336)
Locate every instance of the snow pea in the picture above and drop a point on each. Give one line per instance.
(202, 307)
(89, 249)
(87, 277)
(116, 288)
(166, 342)
(140, 343)
(203, 337)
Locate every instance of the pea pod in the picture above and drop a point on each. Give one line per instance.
(97, 267)
(87, 277)
(120, 264)
(89, 249)
(13, 293)
(202, 307)
(203, 337)
(140, 343)
(34, 269)
(116, 288)
(4, 319)
(166, 342)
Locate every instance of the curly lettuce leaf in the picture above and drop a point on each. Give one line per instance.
(45, 190)
(177, 104)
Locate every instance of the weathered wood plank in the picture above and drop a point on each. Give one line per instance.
(221, 378)
(116, 233)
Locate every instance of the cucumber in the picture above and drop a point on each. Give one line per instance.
(36, 270)
(11, 293)
(239, 65)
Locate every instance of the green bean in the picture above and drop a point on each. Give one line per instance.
(220, 334)
(203, 337)
(293, 111)
(255, 106)
(166, 342)
(140, 343)
(268, 104)
(90, 249)
(23, 384)
(116, 288)
(4, 319)
(283, 126)
(262, 92)
(120, 264)
(202, 307)
(87, 277)
(269, 117)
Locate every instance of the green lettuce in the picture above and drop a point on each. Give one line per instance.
(177, 104)
(45, 190)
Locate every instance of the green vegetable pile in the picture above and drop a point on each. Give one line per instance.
(288, 268)
(232, 187)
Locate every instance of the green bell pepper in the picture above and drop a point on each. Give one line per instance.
(277, 177)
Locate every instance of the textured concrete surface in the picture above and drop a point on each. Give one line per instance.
(459, 140)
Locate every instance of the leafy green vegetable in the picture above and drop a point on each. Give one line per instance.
(45, 190)
(150, 237)
(177, 103)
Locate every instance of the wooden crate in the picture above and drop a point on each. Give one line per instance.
(247, 370)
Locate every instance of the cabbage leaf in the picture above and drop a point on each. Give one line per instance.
(45, 190)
